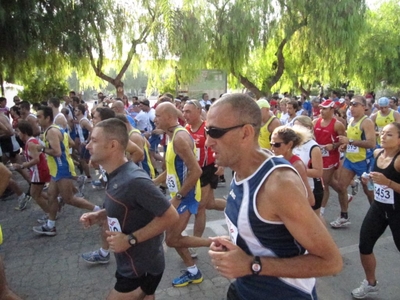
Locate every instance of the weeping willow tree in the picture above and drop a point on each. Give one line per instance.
(262, 43)
(378, 58)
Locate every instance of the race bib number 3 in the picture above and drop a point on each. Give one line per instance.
(352, 149)
(113, 224)
(383, 194)
(171, 183)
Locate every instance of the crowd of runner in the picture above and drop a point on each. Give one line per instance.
(175, 153)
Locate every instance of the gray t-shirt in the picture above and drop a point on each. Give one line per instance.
(132, 201)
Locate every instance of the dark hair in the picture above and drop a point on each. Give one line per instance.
(135, 98)
(47, 112)
(2, 99)
(349, 95)
(16, 109)
(73, 93)
(76, 99)
(115, 129)
(105, 113)
(82, 108)
(25, 127)
(397, 125)
(55, 101)
(36, 106)
(294, 103)
(288, 135)
(25, 105)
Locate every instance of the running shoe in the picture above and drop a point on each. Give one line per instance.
(365, 290)
(95, 257)
(45, 230)
(187, 278)
(354, 188)
(23, 201)
(340, 222)
(193, 252)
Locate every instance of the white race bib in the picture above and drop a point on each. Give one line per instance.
(324, 152)
(233, 231)
(383, 194)
(172, 183)
(113, 224)
(198, 154)
(352, 149)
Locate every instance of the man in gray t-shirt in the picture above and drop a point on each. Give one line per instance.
(136, 211)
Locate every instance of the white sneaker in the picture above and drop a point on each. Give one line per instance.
(365, 290)
(340, 222)
(193, 252)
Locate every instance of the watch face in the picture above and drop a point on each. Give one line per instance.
(132, 240)
(256, 267)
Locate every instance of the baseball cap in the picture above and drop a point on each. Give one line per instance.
(273, 102)
(263, 103)
(145, 102)
(383, 101)
(327, 103)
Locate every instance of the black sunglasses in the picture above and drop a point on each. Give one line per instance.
(277, 145)
(356, 104)
(216, 133)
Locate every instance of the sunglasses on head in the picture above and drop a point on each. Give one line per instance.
(277, 145)
(356, 104)
(216, 132)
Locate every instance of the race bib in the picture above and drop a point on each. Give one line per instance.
(383, 194)
(352, 149)
(198, 154)
(172, 183)
(324, 152)
(233, 231)
(113, 224)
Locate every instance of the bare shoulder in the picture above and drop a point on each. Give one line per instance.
(282, 191)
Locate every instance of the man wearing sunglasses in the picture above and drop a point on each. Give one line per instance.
(267, 213)
(359, 143)
(182, 178)
(326, 130)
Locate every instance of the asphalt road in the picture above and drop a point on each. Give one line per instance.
(41, 267)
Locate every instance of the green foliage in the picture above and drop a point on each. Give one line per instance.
(41, 88)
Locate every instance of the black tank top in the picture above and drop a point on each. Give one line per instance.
(391, 173)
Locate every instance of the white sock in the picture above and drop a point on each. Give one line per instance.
(96, 208)
(51, 224)
(193, 270)
(104, 252)
(322, 210)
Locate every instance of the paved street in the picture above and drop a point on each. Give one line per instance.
(44, 268)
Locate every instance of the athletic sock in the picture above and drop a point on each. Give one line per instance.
(104, 252)
(51, 224)
(96, 208)
(193, 270)
(322, 211)
(344, 215)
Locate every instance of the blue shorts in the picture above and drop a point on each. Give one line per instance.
(154, 141)
(188, 204)
(358, 167)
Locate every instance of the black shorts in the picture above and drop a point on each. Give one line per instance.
(147, 282)
(318, 193)
(208, 176)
